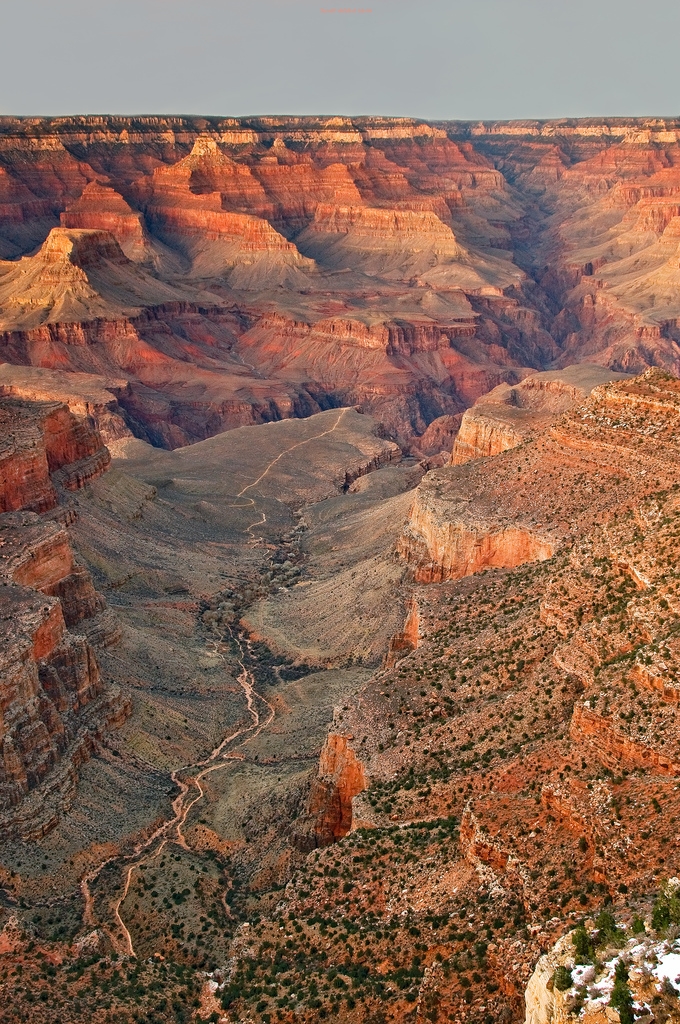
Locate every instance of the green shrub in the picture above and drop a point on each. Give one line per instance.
(621, 997)
(667, 907)
(607, 927)
(562, 979)
(582, 945)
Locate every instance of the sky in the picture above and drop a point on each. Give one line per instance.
(433, 59)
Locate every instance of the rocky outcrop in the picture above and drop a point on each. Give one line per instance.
(482, 515)
(509, 414)
(37, 553)
(448, 549)
(369, 229)
(101, 208)
(78, 275)
(44, 444)
(339, 779)
(54, 706)
(614, 748)
(544, 1003)
(88, 396)
(483, 434)
(478, 847)
(408, 639)
(184, 212)
(54, 709)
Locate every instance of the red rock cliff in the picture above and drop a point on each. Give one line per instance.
(44, 443)
(340, 778)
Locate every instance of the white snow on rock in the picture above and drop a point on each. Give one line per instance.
(669, 968)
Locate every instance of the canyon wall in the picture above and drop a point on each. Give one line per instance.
(390, 235)
(440, 548)
(508, 415)
(54, 705)
(44, 444)
(339, 779)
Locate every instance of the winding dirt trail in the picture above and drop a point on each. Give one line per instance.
(286, 451)
(189, 778)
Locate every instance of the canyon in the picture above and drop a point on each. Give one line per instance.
(339, 506)
(212, 273)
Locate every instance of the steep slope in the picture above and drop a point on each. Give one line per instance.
(516, 770)
(601, 232)
(44, 444)
(508, 415)
(77, 275)
(55, 706)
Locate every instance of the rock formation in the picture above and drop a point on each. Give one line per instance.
(508, 415)
(55, 706)
(495, 639)
(178, 237)
(43, 444)
(340, 778)
(88, 396)
(537, 712)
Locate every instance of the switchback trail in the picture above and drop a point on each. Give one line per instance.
(189, 777)
(299, 444)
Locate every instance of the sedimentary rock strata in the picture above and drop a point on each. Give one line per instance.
(444, 230)
(55, 706)
(508, 415)
(43, 444)
(340, 778)
(536, 712)
(493, 642)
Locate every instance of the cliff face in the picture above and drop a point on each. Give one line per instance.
(409, 637)
(88, 396)
(169, 228)
(614, 748)
(54, 707)
(443, 550)
(492, 512)
(44, 444)
(37, 553)
(521, 759)
(545, 1003)
(339, 779)
(508, 415)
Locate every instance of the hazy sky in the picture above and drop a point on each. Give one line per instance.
(430, 58)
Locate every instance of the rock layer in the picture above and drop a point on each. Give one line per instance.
(44, 444)
(391, 232)
(54, 704)
(508, 415)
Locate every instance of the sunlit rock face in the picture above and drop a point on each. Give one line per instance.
(226, 272)
(44, 443)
